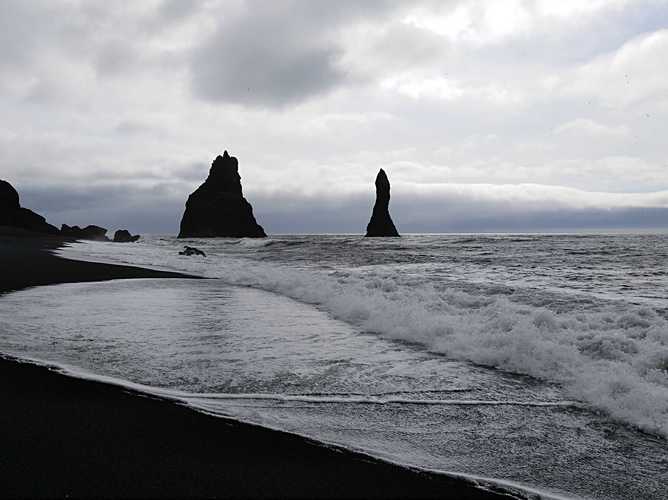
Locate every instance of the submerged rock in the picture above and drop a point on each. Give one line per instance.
(91, 232)
(192, 251)
(14, 215)
(218, 207)
(381, 223)
(124, 236)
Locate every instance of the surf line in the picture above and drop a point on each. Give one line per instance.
(376, 401)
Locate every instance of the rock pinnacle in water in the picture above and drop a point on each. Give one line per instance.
(218, 208)
(381, 223)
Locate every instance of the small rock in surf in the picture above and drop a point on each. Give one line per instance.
(192, 251)
(124, 236)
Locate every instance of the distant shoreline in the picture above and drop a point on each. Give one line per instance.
(68, 436)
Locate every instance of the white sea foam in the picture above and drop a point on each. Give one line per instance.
(611, 355)
(377, 401)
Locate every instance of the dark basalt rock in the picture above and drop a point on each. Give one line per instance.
(9, 197)
(381, 223)
(124, 236)
(218, 208)
(96, 233)
(14, 215)
(192, 251)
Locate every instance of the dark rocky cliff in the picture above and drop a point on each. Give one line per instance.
(14, 215)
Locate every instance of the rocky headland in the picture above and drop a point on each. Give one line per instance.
(12, 214)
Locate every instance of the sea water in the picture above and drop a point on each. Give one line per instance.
(534, 360)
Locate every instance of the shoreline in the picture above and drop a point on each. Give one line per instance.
(27, 261)
(77, 437)
(505, 488)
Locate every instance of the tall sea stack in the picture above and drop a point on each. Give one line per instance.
(381, 223)
(218, 208)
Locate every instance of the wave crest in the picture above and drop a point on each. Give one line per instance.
(611, 355)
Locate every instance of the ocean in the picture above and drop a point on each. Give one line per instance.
(533, 361)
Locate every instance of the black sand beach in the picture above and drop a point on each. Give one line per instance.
(68, 437)
(26, 261)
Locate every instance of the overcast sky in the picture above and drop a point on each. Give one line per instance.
(499, 115)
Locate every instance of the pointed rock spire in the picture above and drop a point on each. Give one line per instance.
(218, 208)
(381, 223)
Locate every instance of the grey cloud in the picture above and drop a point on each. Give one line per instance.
(41, 39)
(263, 60)
(35, 29)
(468, 214)
(45, 91)
(429, 214)
(278, 53)
(258, 74)
(169, 11)
(133, 127)
(576, 39)
(115, 58)
(25, 27)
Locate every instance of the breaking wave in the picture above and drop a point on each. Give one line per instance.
(613, 355)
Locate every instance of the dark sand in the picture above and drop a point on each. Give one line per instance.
(26, 261)
(62, 436)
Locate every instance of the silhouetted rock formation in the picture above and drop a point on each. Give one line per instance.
(96, 233)
(192, 251)
(381, 223)
(14, 215)
(9, 197)
(124, 236)
(218, 207)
